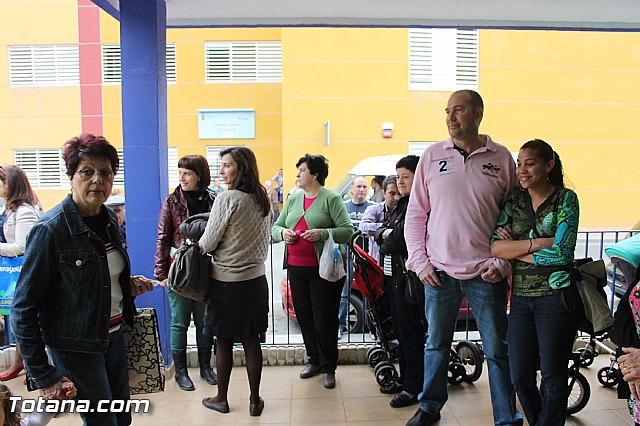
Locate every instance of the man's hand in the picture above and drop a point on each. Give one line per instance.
(429, 277)
(63, 389)
(492, 274)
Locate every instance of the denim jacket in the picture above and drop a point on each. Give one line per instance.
(63, 294)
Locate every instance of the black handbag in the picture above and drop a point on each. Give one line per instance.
(190, 272)
(413, 287)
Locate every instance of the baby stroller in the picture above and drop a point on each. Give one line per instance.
(465, 363)
(625, 257)
(369, 281)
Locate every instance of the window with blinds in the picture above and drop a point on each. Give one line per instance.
(111, 70)
(44, 65)
(118, 179)
(172, 159)
(443, 59)
(243, 61)
(45, 168)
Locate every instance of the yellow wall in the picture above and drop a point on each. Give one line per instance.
(191, 93)
(37, 117)
(580, 91)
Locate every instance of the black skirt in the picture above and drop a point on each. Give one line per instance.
(237, 309)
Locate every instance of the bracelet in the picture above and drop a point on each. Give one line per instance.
(530, 245)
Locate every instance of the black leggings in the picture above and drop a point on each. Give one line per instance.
(224, 364)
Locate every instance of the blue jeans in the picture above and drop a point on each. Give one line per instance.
(489, 304)
(542, 328)
(98, 376)
(343, 309)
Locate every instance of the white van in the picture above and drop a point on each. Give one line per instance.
(383, 165)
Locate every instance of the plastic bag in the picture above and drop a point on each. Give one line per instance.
(331, 263)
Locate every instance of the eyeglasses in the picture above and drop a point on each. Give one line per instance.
(88, 174)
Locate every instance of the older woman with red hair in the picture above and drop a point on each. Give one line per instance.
(75, 290)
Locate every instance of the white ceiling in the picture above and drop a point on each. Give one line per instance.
(540, 14)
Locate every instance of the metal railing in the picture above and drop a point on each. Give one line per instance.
(284, 330)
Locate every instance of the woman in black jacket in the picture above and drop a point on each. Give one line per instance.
(408, 322)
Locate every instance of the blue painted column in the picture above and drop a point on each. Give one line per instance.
(144, 123)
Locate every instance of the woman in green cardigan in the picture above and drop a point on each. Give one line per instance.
(303, 225)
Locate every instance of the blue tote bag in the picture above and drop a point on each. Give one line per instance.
(10, 268)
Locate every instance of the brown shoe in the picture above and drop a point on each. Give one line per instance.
(309, 370)
(329, 380)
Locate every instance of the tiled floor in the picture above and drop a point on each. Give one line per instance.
(355, 400)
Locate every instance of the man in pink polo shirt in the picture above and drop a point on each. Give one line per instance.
(459, 188)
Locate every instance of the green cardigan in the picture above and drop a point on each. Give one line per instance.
(327, 211)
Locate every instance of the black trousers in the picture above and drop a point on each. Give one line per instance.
(316, 302)
(410, 330)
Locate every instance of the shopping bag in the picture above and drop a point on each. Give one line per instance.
(10, 268)
(146, 363)
(331, 263)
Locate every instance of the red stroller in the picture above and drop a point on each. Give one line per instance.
(369, 281)
(465, 363)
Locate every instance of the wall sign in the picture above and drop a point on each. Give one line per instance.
(226, 123)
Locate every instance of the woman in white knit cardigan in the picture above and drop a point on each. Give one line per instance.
(237, 237)
(21, 213)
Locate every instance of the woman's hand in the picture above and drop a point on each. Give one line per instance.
(386, 233)
(630, 366)
(63, 389)
(312, 235)
(289, 236)
(504, 233)
(140, 285)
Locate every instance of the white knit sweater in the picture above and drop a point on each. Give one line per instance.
(237, 236)
(16, 228)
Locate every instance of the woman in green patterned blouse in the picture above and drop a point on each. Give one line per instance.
(537, 229)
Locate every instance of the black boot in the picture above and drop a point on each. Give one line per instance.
(204, 360)
(182, 375)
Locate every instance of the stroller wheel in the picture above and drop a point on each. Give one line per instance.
(386, 374)
(456, 373)
(586, 357)
(379, 366)
(369, 352)
(471, 358)
(607, 376)
(579, 392)
(376, 356)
